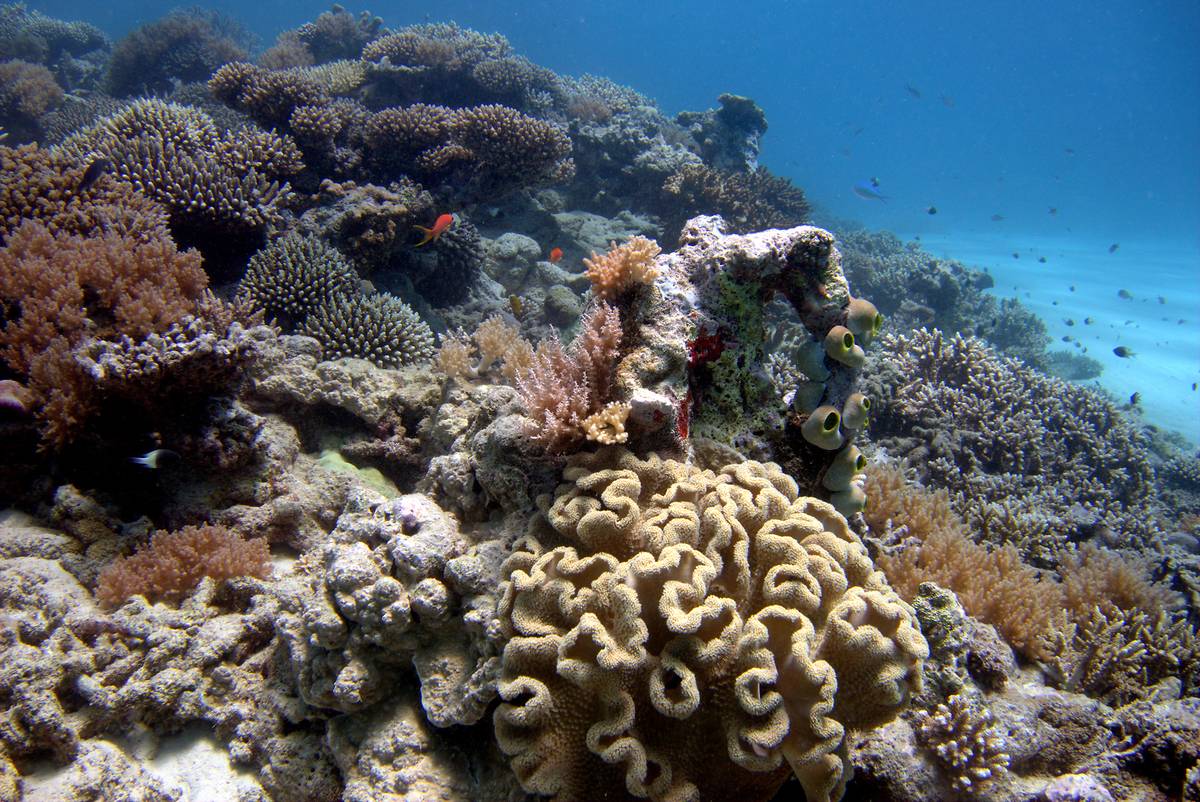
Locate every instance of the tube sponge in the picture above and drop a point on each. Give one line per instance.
(855, 411)
(840, 346)
(849, 501)
(864, 320)
(848, 464)
(822, 428)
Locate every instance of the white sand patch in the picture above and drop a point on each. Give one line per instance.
(1167, 359)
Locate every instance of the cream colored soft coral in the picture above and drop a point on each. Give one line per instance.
(624, 266)
(700, 635)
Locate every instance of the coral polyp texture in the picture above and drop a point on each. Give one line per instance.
(378, 328)
(700, 635)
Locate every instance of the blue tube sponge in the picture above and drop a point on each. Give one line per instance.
(823, 428)
(840, 346)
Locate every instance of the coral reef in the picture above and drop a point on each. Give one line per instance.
(677, 586)
(624, 266)
(750, 201)
(43, 185)
(729, 137)
(182, 46)
(1030, 460)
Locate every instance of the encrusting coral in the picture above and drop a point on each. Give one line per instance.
(701, 636)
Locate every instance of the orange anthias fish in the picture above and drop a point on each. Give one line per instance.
(555, 255)
(439, 228)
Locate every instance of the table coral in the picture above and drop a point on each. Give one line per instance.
(701, 636)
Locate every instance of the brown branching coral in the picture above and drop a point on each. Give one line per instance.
(700, 635)
(268, 96)
(1103, 629)
(69, 287)
(44, 185)
(182, 46)
(27, 91)
(512, 150)
(173, 564)
(622, 268)
(565, 386)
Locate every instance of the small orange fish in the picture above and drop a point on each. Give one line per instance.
(439, 227)
(555, 255)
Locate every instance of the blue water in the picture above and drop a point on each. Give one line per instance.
(1089, 108)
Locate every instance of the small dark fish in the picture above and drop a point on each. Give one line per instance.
(1087, 321)
(947, 101)
(931, 210)
(1162, 300)
(1054, 303)
(996, 218)
(1053, 210)
(1135, 399)
(1180, 322)
(1123, 352)
(158, 458)
(1069, 151)
(1113, 248)
(1126, 294)
(1042, 259)
(1069, 321)
(1072, 288)
(1193, 387)
(875, 182)
(912, 90)
(1085, 349)
(1066, 338)
(516, 305)
(92, 174)
(1016, 255)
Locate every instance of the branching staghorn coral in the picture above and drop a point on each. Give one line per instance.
(27, 92)
(1103, 629)
(989, 430)
(173, 563)
(565, 386)
(625, 266)
(183, 46)
(295, 275)
(701, 635)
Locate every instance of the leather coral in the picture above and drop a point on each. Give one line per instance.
(699, 635)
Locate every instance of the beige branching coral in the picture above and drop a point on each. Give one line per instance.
(623, 267)
(500, 347)
(608, 425)
(701, 636)
(966, 742)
